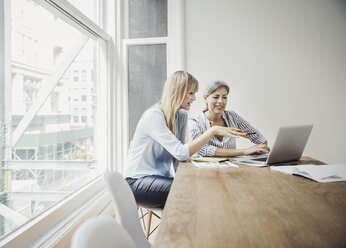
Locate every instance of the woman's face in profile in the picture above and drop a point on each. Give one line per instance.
(188, 99)
(217, 101)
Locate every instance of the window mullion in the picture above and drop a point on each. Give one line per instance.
(176, 34)
(70, 14)
(5, 86)
(11, 215)
(146, 41)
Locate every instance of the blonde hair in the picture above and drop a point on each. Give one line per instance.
(176, 87)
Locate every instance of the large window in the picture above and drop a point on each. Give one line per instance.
(52, 107)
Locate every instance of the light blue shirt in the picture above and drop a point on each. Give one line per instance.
(154, 146)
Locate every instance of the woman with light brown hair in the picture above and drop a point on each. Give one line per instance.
(215, 114)
(159, 140)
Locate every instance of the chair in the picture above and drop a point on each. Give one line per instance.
(150, 213)
(125, 207)
(101, 232)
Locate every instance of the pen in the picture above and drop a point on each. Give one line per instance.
(223, 160)
(250, 133)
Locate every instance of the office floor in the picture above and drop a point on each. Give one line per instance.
(154, 223)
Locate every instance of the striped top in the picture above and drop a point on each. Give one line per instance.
(198, 124)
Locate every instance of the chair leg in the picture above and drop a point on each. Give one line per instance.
(142, 216)
(149, 223)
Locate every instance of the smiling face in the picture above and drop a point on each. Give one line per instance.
(217, 101)
(188, 99)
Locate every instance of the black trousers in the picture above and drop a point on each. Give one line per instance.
(150, 191)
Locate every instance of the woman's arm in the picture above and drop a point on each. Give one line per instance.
(196, 129)
(255, 149)
(198, 143)
(153, 124)
(224, 152)
(254, 135)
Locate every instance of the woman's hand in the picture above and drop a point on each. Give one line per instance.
(256, 149)
(228, 131)
(196, 144)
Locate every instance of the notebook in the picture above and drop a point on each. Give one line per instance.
(319, 173)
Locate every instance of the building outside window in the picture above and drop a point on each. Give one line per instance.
(83, 75)
(75, 75)
(83, 115)
(75, 115)
(48, 57)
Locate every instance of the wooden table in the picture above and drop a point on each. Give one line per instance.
(252, 207)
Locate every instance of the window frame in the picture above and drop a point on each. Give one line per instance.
(51, 225)
(175, 52)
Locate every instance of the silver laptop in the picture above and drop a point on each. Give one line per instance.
(288, 146)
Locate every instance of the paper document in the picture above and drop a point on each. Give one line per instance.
(208, 159)
(226, 164)
(319, 173)
(251, 163)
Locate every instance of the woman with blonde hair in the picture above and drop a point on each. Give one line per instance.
(159, 141)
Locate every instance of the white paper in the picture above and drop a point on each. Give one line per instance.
(251, 163)
(226, 164)
(208, 159)
(319, 173)
(287, 169)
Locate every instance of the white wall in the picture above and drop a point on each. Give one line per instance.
(285, 62)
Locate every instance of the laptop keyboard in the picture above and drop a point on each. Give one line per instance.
(260, 159)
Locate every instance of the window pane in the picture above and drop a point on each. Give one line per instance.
(147, 18)
(147, 74)
(55, 154)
